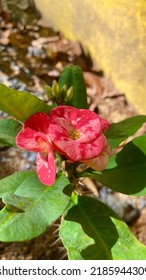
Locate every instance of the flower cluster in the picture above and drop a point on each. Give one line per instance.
(75, 133)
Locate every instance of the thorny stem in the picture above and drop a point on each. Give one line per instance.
(81, 185)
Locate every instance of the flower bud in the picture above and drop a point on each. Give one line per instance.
(69, 94)
(55, 89)
(64, 90)
(48, 91)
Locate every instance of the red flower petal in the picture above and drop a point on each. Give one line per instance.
(86, 122)
(28, 139)
(38, 122)
(89, 126)
(73, 149)
(105, 124)
(100, 162)
(25, 139)
(46, 168)
(35, 127)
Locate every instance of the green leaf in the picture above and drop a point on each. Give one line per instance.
(8, 131)
(10, 183)
(31, 208)
(21, 105)
(73, 76)
(126, 171)
(119, 132)
(92, 231)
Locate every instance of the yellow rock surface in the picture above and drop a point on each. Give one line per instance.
(115, 34)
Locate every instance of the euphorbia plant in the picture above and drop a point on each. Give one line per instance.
(65, 136)
(75, 133)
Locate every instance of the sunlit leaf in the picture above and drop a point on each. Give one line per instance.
(92, 231)
(21, 105)
(73, 76)
(31, 208)
(8, 131)
(126, 171)
(119, 132)
(10, 183)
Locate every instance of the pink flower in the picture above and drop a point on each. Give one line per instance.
(77, 134)
(99, 163)
(35, 137)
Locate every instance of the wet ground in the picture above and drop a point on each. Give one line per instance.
(33, 55)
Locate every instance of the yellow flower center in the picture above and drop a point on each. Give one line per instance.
(74, 134)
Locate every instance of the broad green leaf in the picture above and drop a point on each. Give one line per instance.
(31, 208)
(126, 171)
(119, 132)
(21, 105)
(73, 76)
(10, 183)
(92, 231)
(8, 131)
